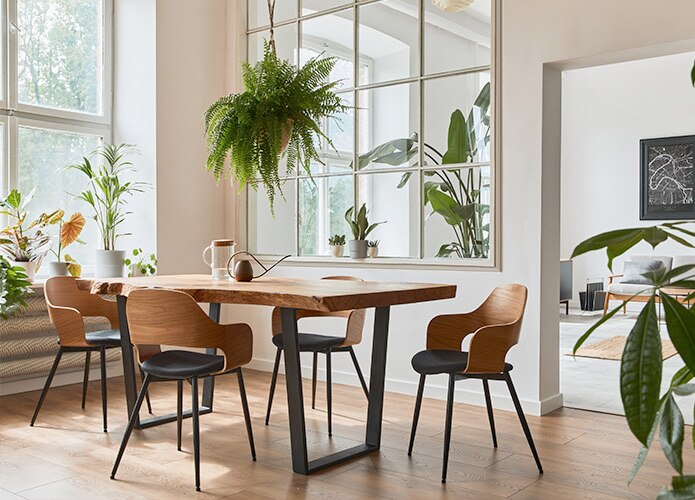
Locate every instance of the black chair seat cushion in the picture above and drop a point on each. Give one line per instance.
(182, 364)
(311, 342)
(435, 361)
(106, 338)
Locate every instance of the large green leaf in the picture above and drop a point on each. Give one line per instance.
(14, 199)
(640, 373)
(395, 152)
(445, 206)
(671, 433)
(458, 150)
(644, 449)
(681, 329)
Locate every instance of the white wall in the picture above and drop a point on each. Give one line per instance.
(606, 110)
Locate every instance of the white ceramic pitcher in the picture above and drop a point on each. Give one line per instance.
(220, 252)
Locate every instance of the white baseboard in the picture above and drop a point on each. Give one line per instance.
(113, 369)
(432, 389)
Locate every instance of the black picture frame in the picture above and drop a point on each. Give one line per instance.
(667, 186)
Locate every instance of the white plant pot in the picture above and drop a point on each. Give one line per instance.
(29, 268)
(137, 273)
(358, 249)
(373, 251)
(58, 269)
(109, 264)
(337, 250)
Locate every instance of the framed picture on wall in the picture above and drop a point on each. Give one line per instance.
(667, 178)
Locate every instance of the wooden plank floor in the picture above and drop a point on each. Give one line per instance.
(66, 455)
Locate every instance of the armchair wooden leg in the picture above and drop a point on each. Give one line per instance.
(247, 414)
(329, 392)
(131, 424)
(606, 303)
(179, 412)
(416, 413)
(102, 354)
(47, 385)
(359, 371)
(490, 414)
(273, 381)
(447, 430)
(522, 419)
(85, 380)
(313, 380)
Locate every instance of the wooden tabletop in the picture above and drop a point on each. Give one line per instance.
(317, 295)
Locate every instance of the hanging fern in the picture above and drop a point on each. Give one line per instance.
(277, 115)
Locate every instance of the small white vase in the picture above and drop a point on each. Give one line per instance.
(58, 269)
(109, 264)
(337, 250)
(373, 251)
(29, 268)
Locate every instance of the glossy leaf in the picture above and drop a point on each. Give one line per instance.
(457, 145)
(644, 450)
(681, 329)
(444, 205)
(595, 326)
(671, 433)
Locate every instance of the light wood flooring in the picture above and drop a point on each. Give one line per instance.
(66, 455)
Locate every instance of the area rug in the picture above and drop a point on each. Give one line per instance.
(612, 348)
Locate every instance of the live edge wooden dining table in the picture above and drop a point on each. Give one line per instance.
(290, 295)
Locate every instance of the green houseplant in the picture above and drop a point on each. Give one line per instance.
(141, 263)
(646, 410)
(373, 248)
(107, 195)
(277, 115)
(453, 193)
(68, 233)
(337, 244)
(14, 287)
(360, 227)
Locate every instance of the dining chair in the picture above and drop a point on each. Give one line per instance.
(173, 318)
(494, 328)
(67, 306)
(321, 344)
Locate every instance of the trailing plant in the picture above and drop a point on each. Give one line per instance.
(68, 233)
(23, 240)
(359, 224)
(14, 287)
(450, 194)
(277, 115)
(641, 365)
(108, 192)
(144, 263)
(337, 240)
(373, 244)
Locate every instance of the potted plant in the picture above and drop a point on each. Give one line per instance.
(359, 224)
(69, 232)
(14, 287)
(107, 195)
(24, 243)
(278, 114)
(337, 244)
(373, 248)
(141, 264)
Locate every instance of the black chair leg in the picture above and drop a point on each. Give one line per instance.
(359, 371)
(490, 415)
(47, 385)
(131, 424)
(102, 354)
(273, 381)
(196, 431)
(329, 392)
(147, 394)
(447, 430)
(313, 380)
(247, 414)
(85, 381)
(179, 412)
(416, 413)
(522, 419)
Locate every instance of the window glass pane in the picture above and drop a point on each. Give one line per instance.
(470, 94)
(313, 6)
(285, 43)
(41, 156)
(60, 53)
(389, 123)
(398, 206)
(457, 40)
(388, 39)
(258, 12)
(268, 234)
(331, 35)
(323, 202)
(457, 211)
(336, 157)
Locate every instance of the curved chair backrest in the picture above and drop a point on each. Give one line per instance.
(355, 317)
(495, 327)
(170, 317)
(68, 304)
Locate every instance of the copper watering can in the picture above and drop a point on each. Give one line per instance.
(243, 270)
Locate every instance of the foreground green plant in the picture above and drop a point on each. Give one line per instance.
(141, 263)
(646, 410)
(14, 287)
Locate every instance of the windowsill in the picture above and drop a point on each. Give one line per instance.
(383, 262)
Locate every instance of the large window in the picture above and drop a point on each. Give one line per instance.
(55, 100)
(405, 68)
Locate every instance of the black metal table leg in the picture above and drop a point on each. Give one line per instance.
(209, 383)
(131, 391)
(295, 400)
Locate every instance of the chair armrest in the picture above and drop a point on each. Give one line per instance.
(70, 326)
(612, 277)
(236, 343)
(488, 349)
(447, 331)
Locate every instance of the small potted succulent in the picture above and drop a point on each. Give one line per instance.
(373, 248)
(141, 264)
(24, 243)
(337, 244)
(359, 224)
(14, 287)
(68, 233)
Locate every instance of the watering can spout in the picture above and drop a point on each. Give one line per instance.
(243, 270)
